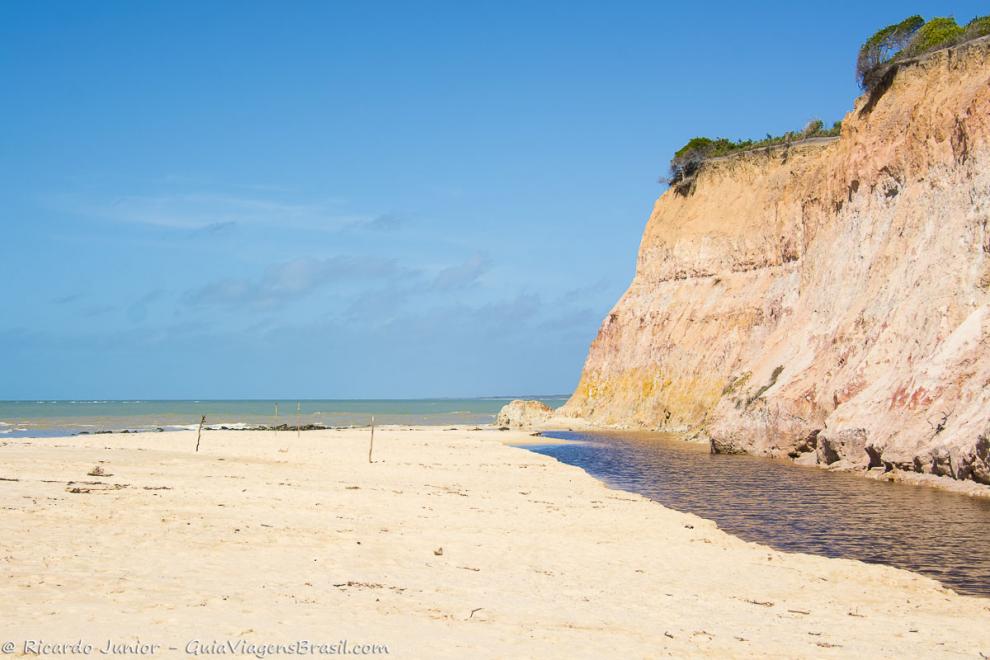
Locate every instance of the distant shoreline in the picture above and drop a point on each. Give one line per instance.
(47, 418)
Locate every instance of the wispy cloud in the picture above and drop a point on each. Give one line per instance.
(462, 275)
(498, 318)
(201, 211)
(294, 279)
(213, 212)
(381, 305)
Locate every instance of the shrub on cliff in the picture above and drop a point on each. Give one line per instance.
(912, 37)
(689, 158)
(936, 33)
(813, 128)
(816, 128)
(876, 55)
(976, 28)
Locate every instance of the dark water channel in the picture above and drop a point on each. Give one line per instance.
(940, 534)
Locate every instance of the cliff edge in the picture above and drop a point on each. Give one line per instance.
(830, 302)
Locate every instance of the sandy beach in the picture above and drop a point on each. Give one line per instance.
(451, 544)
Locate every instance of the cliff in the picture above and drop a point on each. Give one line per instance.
(827, 302)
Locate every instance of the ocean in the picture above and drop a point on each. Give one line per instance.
(59, 418)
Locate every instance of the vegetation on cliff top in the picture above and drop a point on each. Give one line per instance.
(882, 48)
(910, 38)
(878, 57)
(690, 157)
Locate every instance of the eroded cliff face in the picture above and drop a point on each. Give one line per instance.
(830, 302)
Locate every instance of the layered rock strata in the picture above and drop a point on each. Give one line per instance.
(829, 302)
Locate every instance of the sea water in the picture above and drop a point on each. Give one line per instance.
(55, 418)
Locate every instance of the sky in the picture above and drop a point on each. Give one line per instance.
(363, 199)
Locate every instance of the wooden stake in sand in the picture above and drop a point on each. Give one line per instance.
(275, 425)
(200, 431)
(371, 445)
(298, 409)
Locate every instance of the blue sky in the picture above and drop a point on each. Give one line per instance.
(363, 199)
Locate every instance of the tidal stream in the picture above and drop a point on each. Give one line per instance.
(940, 534)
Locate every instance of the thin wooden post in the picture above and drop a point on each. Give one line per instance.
(200, 431)
(371, 445)
(275, 424)
(298, 409)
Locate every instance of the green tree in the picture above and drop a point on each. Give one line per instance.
(876, 54)
(976, 28)
(936, 33)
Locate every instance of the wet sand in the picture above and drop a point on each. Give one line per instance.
(450, 543)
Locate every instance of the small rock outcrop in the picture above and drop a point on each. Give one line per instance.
(521, 414)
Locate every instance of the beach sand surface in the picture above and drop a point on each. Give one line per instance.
(450, 544)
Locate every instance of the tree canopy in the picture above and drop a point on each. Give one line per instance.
(883, 47)
(911, 37)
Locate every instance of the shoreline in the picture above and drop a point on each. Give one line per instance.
(52, 418)
(450, 542)
(916, 479)
(939, 482)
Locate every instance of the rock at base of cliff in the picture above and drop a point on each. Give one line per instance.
(520, 414)
(724, 445)
(848, 446)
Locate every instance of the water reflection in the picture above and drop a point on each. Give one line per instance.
(940, 534)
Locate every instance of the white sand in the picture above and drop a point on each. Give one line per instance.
(273, 540)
